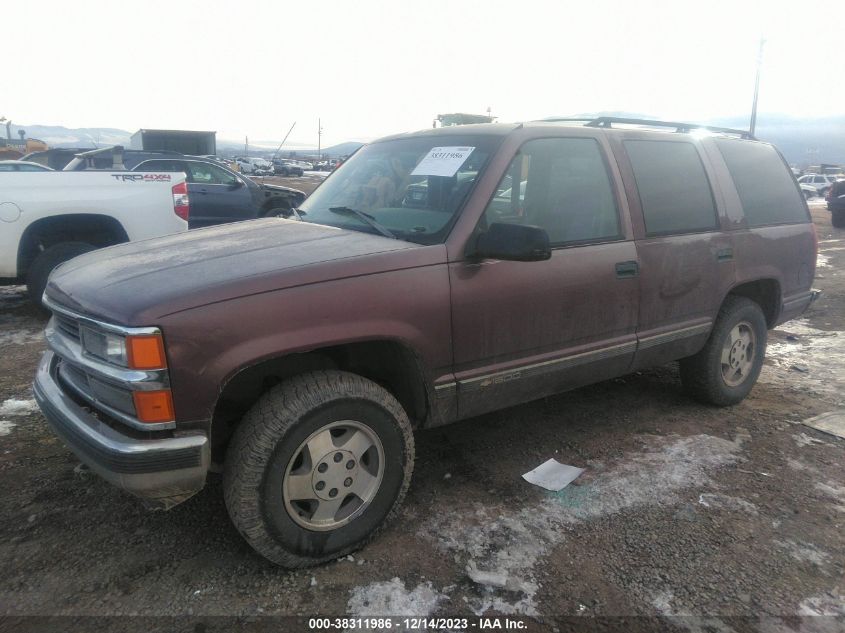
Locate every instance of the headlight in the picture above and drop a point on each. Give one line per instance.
(105, 346)
(134, 351)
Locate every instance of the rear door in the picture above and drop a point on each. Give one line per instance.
(686, 259)
(523, 330)
(221, 196)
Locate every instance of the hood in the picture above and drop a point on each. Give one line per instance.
(138, 282)
(268, 187)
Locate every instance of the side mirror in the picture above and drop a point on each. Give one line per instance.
(511, 242)
(237, 184)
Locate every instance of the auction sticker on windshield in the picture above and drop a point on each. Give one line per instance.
(442, 161)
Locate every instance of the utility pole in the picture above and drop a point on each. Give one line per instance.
(246, 146)
(319, 139)
(279, 148)
(756, 88)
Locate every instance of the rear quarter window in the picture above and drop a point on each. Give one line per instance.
(673, 186)
(764, 183)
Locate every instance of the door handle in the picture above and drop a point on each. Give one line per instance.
(725, 254)
(625, 270)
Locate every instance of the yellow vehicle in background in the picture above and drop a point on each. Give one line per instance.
(13, 149)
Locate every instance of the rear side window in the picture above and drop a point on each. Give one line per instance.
(674, 191)
(763, 182)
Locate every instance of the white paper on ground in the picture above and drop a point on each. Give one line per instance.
(832, 422)
(442, 161)
(552, 475)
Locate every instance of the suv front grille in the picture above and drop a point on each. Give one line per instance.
(96, 391)
(67, 325)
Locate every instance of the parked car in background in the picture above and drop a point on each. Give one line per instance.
(809, 191)
(836, 203)
(298, 357)
(286, 167)
(254, 166)
(22, 165)
(228, 164)
(821, 182)
(220, 195)
(49, 217)
(326, 165)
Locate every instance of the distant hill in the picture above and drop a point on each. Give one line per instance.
(802, 141)
(58, 136)
(342, 149)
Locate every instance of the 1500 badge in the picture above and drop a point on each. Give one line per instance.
(142, 177)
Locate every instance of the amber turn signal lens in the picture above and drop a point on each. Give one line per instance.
(145, 352)
(153, 406)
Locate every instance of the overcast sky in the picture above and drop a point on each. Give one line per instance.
(370, 68)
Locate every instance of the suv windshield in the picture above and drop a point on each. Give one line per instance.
(412, 187)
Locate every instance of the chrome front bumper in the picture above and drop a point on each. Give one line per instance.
(164, 472)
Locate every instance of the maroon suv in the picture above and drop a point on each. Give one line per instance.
(434, 276)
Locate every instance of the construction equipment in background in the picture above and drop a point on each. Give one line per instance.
(13, 149)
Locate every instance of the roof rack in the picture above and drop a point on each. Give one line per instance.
(608, 121)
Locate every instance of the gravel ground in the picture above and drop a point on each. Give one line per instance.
(683, 510)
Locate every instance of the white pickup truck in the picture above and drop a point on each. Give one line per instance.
(49, 217)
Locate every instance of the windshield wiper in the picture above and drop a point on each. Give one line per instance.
(364, 217)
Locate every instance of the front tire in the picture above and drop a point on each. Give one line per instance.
(46, 261)
(317, 467)
(725, 370)
(837, 218)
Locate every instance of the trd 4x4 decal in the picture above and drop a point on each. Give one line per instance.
(142, 177)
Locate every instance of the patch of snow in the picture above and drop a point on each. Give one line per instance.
(392, 598)
(663, 602)
(21, 337)
(13, 406)
(795, 464)
(684, 620)
(832, 603)
(822, 261)
(835, 491)
(804, 552)
(715, 500)
(6, 427)
(512, 543)
(12, 296)
(819, 353)
(802, 439)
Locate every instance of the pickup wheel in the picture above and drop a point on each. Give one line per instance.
(724, 372)
(317, 467)
(46, 261)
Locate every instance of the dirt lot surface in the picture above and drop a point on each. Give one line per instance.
(307, 183)
(683, 510)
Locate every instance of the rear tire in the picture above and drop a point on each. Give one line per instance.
(725, 370)
(837, 218)
(46, 261)
(317, 467)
